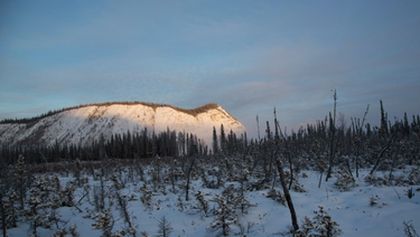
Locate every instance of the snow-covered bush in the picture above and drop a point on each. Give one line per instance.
(202, 203)
(118, 185)
(260, 184)
(236, 199)
(241, 202)
(42, 204)
(60, 233)
(104, 221)
(66, 232)
(225, 216)
(345, 181)
(375, 180)
(414, 177)
(73, 231)
(8, 211)
(165, 228)
(67, 195)
(174, 174)
(276, 196)
(212, 178)
(321, 225)
(307, 229)
(409, 230)
(180, 204)
(146, 197)
(297, 187)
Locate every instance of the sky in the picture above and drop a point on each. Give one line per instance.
(248, 56)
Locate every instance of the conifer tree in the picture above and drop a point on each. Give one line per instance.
(225, 216)
(384, 124)
(268, 131)
(215, 142)
(222, 138)
(20, 179)
(165, 228)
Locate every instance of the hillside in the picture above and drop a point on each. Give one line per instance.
(83, 124)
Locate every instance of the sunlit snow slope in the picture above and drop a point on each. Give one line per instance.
(82, 125)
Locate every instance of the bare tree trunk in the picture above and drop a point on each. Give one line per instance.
(359, 133)
(320, 179)
(123, 206)
(286, 142)
(289, 158)
(357, 166)
(287, 196)
(332, 139)
(380, 154)
(187, 186)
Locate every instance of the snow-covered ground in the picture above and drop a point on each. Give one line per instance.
(365, 210)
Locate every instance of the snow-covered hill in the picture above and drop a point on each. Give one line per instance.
(81, 125)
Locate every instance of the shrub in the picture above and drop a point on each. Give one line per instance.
(321, 225)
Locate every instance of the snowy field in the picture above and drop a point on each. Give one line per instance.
(364, 210)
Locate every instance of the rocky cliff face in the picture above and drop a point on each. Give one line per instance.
(84, 124)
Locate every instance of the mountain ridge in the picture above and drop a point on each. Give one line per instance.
(192, 111)
(83, 124)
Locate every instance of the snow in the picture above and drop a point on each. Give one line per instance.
(266, 217)
(81, 126)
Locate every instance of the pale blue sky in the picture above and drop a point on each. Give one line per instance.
(248, 56)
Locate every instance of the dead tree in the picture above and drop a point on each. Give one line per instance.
(358, 130)
(332, 138)
(187, 186)
(287, 196)
(381, 154)
(122, 202)
(279, 135)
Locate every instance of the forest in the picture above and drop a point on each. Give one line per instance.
(101, 181)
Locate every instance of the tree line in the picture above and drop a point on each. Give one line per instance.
(125, 146)
(322, 145)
